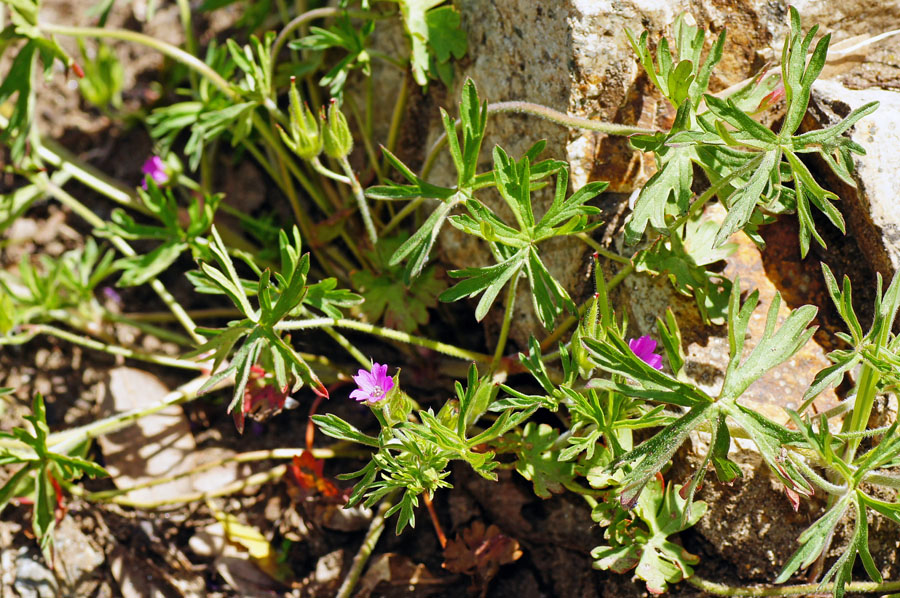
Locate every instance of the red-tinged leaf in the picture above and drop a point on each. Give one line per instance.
(262, 399)
(308, 473)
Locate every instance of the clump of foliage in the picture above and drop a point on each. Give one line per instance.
(352, 260)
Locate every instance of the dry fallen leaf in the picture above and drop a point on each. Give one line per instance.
(396, 575)
(252, 540)
(242, 556)
(480, 552)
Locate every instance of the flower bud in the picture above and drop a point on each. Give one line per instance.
(336, 133)
(305, 137)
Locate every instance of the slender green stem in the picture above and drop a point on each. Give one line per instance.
(123, 247)
(866, 390)
(397, 117)
(56, 155)
(507, 321)
(257, 479)
(184, 12)
(364, 123)
(349, 347)
(61, 441)
(554, 116)
(90, 343)
(721, 589)
(365, 551)
(159, 332)
(587, 240)
(402, 214)
(174, 52)
(284, 453)
(387, 333)
(361, 202)
(327, 172)
(306, 17)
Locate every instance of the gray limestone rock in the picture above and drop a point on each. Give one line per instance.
(871, 209)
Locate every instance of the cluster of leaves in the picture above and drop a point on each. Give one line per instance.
(513, 247)
(41, 470)
(279, 295)
(604, 390)
(58, 288)
(753, 171)
(386, 296)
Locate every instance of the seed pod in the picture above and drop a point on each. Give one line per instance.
(336, 133)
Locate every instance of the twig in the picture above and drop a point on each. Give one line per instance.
(365, 551)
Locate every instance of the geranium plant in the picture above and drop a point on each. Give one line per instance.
(354, 256)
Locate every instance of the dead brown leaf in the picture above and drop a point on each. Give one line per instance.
(396, 575)
(479, 552)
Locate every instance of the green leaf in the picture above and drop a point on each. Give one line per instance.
(138, 269)
(743, 200)
(648, 458)
(18, 82)
(421, 22)
(489, 280)
(539, 462)
(645, 546)
(332, 425)
(402, 306)
(812, 541)
(672, 180)
(773, 348)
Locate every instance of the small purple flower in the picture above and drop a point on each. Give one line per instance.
(644, 348)
(373, 386)
(156, 168)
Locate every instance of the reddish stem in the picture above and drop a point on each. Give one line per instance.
(438, 530)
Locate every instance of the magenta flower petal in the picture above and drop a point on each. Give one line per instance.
(372, 386)
(644, 348)
(156, 169)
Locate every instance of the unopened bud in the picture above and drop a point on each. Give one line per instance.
(305, 136)
(338, 142)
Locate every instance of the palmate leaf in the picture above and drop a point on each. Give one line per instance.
(404, 306)
(668, 192)
(430, 39)
(540, 463)
(643, 544)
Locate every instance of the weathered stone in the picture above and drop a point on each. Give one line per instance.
(871, 209)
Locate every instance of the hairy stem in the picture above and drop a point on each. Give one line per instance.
(84, 341)
(361, 203)
(507, 321)
(365, 551)
(721, 589)
(387, 333)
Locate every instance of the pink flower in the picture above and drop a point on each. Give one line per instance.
(644, 348)
(373, 386)
(156, 168)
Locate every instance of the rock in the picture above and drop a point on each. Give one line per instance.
(871, 210)
(157, 445)
(77, 558)
(584, 65)
(33, 579)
